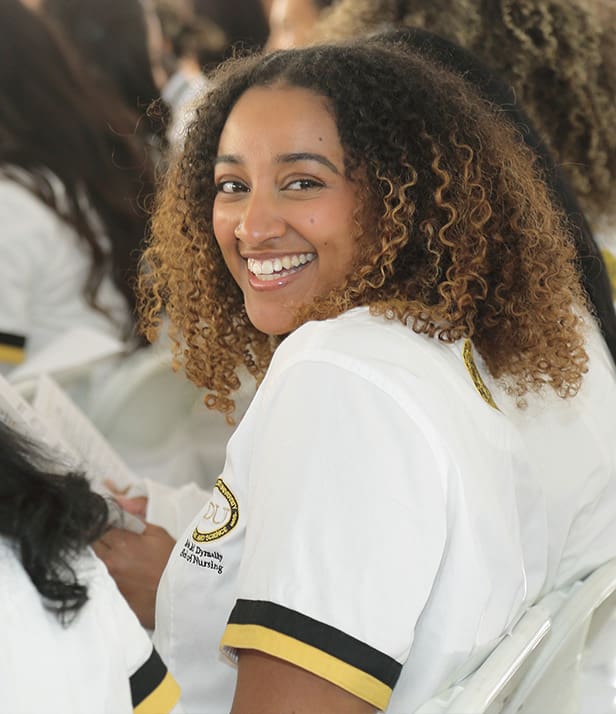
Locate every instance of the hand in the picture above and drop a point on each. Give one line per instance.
(136, 562)
(137, 505)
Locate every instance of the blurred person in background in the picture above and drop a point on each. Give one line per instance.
(267, 4)
(292, 22)
(187, 39)
(75, 179)
(560, 58)
(121, 46)
(244, 23)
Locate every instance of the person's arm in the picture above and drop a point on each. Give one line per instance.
(296, 690)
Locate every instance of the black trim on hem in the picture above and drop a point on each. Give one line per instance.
(9, 340)
(147, 678)
(323, 637)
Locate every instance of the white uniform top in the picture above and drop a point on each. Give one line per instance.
(375, 523)
(101, 663)
(43, 268)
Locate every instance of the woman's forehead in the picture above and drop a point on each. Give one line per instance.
(278, 115)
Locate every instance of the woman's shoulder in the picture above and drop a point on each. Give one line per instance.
(360, 336)
(390, 356)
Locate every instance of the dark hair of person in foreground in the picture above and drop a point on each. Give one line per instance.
(54, 121)
(457, 234)
(51, 517)
(594, 274)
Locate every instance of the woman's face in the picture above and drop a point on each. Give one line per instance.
(284, 209)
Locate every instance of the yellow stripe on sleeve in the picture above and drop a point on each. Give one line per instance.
(162, 699)
(12, 355)
(353, 680)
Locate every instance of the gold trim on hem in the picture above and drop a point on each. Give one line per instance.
(343, 675)
(12, 355)
(162, 699)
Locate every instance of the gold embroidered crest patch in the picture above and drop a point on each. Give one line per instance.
(219, 518)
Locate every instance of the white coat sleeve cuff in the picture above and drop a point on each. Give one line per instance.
(173, 508)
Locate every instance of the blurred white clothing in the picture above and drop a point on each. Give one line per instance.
(43, 270)
(182, 92)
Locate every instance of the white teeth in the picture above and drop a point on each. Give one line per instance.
(276, 265)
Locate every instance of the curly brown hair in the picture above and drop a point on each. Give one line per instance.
(559, 55)
(469, 243)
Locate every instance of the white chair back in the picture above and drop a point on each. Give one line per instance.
(536, 668)
(553, 683)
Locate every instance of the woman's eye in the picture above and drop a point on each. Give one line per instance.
(303, 184)
(231, 187)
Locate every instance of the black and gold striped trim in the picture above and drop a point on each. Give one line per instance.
(312, 645)
(153, 689)
(12, 348)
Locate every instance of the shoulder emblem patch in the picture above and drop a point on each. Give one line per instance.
(219, 517)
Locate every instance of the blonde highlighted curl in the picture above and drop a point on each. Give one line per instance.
(457, 235)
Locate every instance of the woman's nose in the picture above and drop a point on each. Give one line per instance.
(260, 220)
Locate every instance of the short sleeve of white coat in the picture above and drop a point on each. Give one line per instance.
(346, 527)
(171, 507)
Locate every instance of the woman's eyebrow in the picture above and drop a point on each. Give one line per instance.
(306, 156)
(228, 159)
(282, 159)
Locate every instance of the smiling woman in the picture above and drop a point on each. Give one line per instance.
(360, 231)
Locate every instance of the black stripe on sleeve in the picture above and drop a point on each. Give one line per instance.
(319, 635)
(10, 340)
(145, 680)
